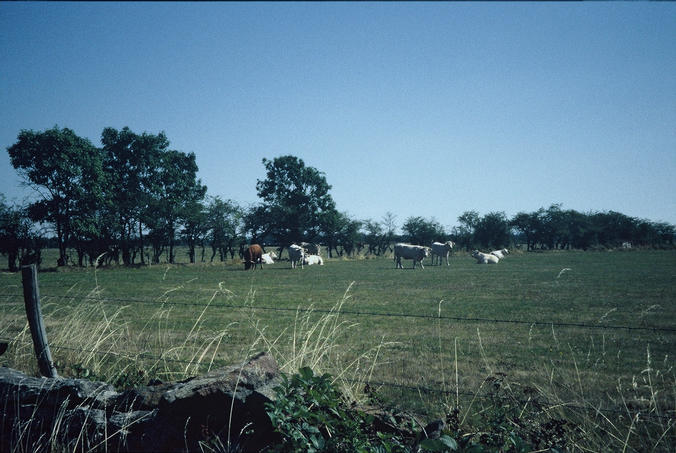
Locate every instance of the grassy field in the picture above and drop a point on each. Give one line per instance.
(590, 336)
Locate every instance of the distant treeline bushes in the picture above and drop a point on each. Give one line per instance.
(133, 200)
(555, 229)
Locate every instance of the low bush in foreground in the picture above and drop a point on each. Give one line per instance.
(311, 415)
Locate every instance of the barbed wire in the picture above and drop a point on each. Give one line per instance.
(366, 313)
(370, 383)
(401, 347)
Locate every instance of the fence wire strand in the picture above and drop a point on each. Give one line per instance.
(370, 383)
(365, 313)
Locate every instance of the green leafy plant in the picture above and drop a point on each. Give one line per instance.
(443, 444)
(312, 415)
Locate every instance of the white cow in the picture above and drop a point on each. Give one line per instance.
(313, 259)
(268, 257)
(485, 258)
(296, 255)
(500, 253)
(441, 250)
(417, 253)
(311, 248)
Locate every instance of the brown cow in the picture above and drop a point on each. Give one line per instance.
(252, 256)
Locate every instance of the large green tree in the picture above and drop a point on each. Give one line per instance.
(339, 230)
(463, 234)
(418, 230)
(174, 192)
(195, 227)
(296, 200)
(130, 163)
(379, 235)
(153, 189)
(492, 231)
(225, 223)
(529, 225)
(65, 170)
(349, 235)
(373, 235)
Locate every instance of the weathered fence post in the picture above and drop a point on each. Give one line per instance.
(31, 297)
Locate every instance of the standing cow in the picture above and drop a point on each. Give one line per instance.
(296, 255)
(441, 250)
(253, 256)
(417, 253)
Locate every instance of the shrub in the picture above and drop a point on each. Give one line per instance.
(311, 415)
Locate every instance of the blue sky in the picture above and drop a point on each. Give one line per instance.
(420, 109)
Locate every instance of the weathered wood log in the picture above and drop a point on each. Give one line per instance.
(31, 296)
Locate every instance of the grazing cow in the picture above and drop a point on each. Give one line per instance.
(296, 255)
(252, 256)
(417, 253)
(267, 258)
(311, 248)
(313, 259)
(485, 258)
(441, 250)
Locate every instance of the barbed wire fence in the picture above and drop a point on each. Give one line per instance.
(372, 313)
(16, 299)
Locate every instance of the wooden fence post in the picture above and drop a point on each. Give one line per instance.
(31, 297)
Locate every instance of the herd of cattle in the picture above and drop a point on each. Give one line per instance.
(309, 254)
(303, 254)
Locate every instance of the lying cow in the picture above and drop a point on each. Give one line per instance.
(252, 256)
(267, 258)
(296, 255)
(500, 253)
(485, 258)
(441, 250)
(313, 259)
(417, 253)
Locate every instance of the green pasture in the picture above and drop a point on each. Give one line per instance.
(593, 334)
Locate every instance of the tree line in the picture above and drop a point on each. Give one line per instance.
(557, 229)
(133, 200)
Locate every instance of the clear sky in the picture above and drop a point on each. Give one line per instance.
(421, 109)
